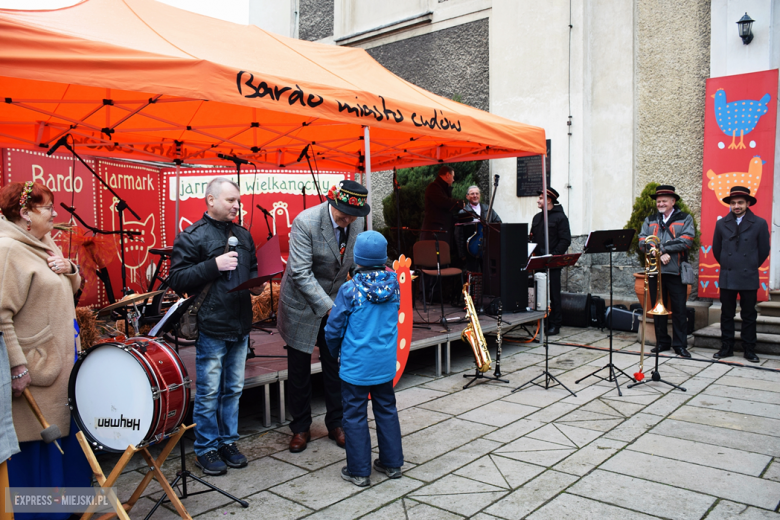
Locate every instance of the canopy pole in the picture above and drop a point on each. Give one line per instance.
(176, 226)
(367, 142)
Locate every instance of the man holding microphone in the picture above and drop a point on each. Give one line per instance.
(216, 255)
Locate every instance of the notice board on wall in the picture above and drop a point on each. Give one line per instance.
(529, 174)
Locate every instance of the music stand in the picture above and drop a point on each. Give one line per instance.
(171, 323)
(545, 263)
(611, 241)
(269, 264)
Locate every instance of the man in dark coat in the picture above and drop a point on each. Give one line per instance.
(200, 259)
(675, 232)
(440, 208)
(470, 215)
(560, 240)
(740, 245)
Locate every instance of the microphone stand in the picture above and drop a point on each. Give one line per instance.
(265, 216)
(303, 192)
(237, 162)
(96, 231)
(120, 208)
(316, 184)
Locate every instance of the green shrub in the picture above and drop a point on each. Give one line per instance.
(412, 182)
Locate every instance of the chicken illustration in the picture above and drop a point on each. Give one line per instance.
(738, 117)
(722, 183)
(137, 249)
(405, 318)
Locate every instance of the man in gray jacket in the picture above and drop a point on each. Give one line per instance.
(321, 242)
(740, 245)
(674, 228)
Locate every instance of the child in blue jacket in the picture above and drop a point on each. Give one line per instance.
(363, 326)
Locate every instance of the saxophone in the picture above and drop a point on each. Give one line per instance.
(472, 334)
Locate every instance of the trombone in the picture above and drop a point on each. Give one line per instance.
(652, 251)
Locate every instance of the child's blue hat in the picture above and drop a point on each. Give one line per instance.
(370, 249)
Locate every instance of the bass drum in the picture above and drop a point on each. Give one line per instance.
(132, 392)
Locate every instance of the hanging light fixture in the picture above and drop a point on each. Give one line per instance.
(745, 25)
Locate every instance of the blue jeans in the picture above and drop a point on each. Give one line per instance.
(219, 367)
(355, 421)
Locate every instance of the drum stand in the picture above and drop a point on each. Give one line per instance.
(184, 473)
(155, 471)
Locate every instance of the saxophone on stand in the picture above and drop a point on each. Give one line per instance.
(472, 334)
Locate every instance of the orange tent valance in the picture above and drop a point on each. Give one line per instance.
(141, 79)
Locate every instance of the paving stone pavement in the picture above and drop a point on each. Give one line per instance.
(711, 452)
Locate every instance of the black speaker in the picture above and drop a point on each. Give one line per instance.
(507, 256)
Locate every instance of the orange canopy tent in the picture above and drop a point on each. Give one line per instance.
(140, 79)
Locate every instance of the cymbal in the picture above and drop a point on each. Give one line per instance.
(133, 298)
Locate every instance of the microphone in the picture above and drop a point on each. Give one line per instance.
(303, 153)
(237, 160)
(63, 141)
(261, 208)
(232, 243)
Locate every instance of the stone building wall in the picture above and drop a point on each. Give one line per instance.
(671, 66)
(453, 63)
(315, 19)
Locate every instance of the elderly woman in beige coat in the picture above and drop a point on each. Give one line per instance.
(38, 322)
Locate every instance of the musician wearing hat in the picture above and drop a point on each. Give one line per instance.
(321, 243)
(740, 245)
(560, 240)
(675, 231)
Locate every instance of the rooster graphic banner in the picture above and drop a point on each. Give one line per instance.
(282, 193)
(150, 192)
(740, 124)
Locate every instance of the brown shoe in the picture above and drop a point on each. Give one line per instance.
(298, 441)
(337, 434)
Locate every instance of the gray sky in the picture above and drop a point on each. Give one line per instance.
(231, 10)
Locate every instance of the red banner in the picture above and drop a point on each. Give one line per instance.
(739, 150)
(139, 187)
(78, 192)
(151, 193)
(283, 193)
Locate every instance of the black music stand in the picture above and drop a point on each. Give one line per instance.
(170, 323)
(612, 241)
(545, 263)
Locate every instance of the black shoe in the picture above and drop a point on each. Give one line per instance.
(660, 349)
(358, 481)
(231, 456)
(553, 331)
(751, 356)
(723, 353)
(682, 352)
(211, 464)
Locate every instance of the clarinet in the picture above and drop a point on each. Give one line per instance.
(497, 372)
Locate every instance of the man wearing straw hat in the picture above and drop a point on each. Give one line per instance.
(740, 245)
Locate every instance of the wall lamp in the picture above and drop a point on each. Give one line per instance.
(745, 25)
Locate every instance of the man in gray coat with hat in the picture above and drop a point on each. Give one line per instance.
(740, 245)
(321, 243)
(675, 231)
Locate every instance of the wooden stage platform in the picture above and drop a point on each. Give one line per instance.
(270, 365)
